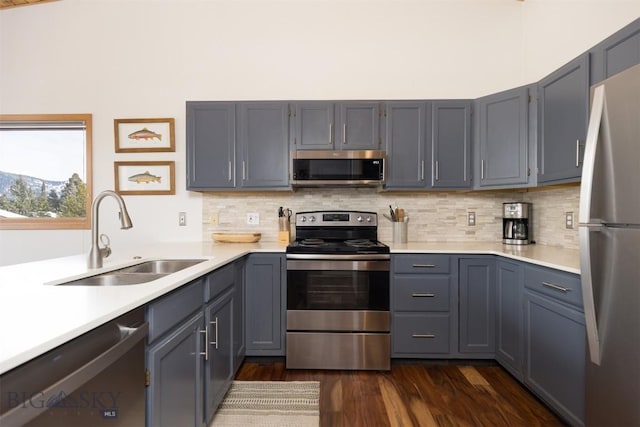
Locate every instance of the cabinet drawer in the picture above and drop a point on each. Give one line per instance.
(420, 333)
(218, 281)
(421, 263)
(419, 293)
(168, 311)
(557, 284)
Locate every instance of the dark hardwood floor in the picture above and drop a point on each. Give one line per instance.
(414, 394)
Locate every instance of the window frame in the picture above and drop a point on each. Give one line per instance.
(44, 223)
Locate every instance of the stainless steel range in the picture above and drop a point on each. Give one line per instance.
(338, 293)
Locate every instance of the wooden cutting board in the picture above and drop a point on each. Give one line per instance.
(236, 237)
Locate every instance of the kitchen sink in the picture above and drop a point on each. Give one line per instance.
(135, 274)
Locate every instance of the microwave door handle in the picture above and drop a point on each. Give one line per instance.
(22, 414)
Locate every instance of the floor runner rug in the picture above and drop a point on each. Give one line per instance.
(270, 403)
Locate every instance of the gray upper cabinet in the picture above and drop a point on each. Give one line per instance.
(451, 144)
(405, 129)
(563, 116)
(358, 126)
(314, 126)
(263, 138)
(211, 139)
(616, 53)
(503, 139)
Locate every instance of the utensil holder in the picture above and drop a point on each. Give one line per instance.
(399, 232)
(284, 230)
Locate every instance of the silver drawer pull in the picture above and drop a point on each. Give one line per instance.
(206, 346)
(423, 336)
(417, 295)
(556, 287)
(215, 343)
(424, 266)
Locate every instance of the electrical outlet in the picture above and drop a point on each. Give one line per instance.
(214, 219)
(253, 218)
(471, 218)
(182, 219)
(568, 219)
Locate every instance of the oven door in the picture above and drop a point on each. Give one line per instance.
(338, 295)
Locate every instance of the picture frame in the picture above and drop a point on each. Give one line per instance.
(144, 135)
(145, 178)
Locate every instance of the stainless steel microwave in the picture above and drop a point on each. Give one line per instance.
(337, 168)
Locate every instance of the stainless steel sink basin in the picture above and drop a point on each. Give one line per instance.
(161, 266)
(135, 274)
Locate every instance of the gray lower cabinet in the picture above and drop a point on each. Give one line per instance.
(422, 297)
(265, 305)
(239, 342)
(509, 317)
(502, 145)
(555, 340)
(174, 362)
(477, 301)
(616, 53)
(237, 146)
(563, 115)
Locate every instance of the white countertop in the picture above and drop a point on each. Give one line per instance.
(37, 316)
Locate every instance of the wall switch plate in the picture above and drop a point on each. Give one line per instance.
(214, 218)
(182, 219)
(568, 219)
(471, 218)
(253, 218)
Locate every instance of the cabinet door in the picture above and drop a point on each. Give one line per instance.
(264, 305)
(211, 138)
(219, 366)
(616, 53)
(263, 145)
(477, 305)
(451, 144)
(406, 147)
(239, 346)
(509, 335)
(174, 394)
(563, 117)
(503, 128)
(359, 126)
(555, 346)
(314, 126)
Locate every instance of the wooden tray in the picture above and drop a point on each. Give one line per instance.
(236, 237)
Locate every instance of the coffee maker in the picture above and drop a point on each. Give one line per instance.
(516, 223)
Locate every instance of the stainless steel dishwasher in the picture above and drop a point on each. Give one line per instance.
(96, 379)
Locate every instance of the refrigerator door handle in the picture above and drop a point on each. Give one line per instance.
(593, 339)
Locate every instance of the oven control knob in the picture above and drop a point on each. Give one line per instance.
(303, 218)
(359, 218)
(312, 219)
(368, 219)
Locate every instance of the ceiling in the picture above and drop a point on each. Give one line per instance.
(13, 3)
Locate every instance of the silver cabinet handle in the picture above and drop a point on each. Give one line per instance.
(577, 152)
(230, 171)
(206, 343)
(556, 287)
(215, 322)
(423, 336)
(421, 295)
(422, 170)
(330, 133)
(437, 170)
(424, 266)
(481, 169)
(244, 170)
(344, 133)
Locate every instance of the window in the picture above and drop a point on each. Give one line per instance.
(45, 171)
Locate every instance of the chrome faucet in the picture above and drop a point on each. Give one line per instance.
(97, 253)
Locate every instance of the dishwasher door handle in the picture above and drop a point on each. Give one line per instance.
(130, 336)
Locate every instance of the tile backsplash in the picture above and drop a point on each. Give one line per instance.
(433, 217)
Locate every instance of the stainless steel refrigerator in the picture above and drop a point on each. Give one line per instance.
(610, 252)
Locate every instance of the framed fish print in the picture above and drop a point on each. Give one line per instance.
(145, 178)
(144, 135)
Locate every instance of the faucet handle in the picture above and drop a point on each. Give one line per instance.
(106, 251)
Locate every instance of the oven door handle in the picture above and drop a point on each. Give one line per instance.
(333, 257)
(338, 265)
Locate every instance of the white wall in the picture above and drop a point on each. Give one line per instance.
(145, 58)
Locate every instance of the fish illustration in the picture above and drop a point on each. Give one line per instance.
(145, 177)
(145, 133)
